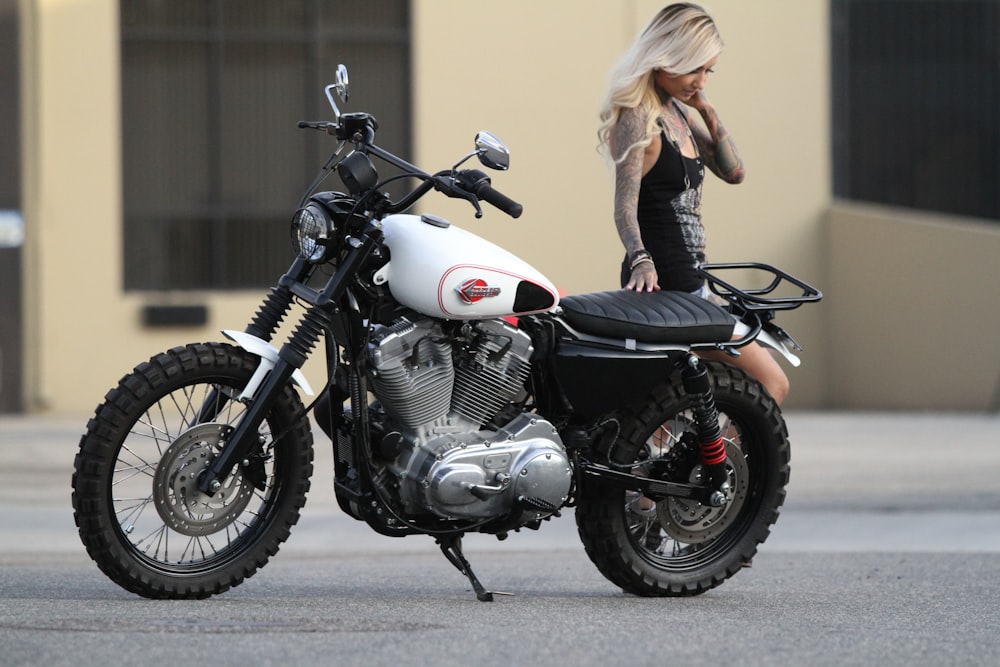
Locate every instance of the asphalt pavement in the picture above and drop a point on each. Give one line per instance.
(886, 552)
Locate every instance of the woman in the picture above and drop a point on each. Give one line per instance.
(650, 129)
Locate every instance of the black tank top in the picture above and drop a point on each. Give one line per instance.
(669, 212)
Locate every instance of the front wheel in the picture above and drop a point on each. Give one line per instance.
(678, 547)
(136, 500)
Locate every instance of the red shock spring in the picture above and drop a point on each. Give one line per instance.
(706, 416)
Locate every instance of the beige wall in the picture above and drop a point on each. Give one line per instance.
(83, 331)
(534, 73)
(72, 201)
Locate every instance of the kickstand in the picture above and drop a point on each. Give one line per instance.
(451, 547)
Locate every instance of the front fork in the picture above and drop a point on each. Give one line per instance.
(264, 324)
(694, 377)
(246, 434)
(292, 356)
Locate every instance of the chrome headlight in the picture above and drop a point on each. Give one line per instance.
(312, 233)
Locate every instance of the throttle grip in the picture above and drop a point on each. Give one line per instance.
(486, 192)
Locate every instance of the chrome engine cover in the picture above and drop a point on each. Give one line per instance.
(485, 474)
(439, 391)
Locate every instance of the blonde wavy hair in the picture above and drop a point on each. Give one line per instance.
(681, 38)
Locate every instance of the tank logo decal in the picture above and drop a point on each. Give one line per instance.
(476, 289)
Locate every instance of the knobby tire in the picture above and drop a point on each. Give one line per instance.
(134, 497)
(647, 548)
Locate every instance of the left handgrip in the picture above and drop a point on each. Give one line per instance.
(331, 128)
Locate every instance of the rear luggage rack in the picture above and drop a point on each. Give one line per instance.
(758, 298)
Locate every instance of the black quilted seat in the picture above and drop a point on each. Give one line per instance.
(648, 317)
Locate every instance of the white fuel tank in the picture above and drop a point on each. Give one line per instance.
(441, 270)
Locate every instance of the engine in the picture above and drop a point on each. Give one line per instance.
(446, 442)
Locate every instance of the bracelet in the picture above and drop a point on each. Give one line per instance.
(638, 257)
(641, 260)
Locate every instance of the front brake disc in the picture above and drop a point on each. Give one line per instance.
(179, 502)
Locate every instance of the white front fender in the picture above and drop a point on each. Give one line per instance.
(268, 358)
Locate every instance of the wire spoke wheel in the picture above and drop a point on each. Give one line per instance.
(676, 527)
(679, 546)
(137, 503)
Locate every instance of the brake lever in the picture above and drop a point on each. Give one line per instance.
(449, 186)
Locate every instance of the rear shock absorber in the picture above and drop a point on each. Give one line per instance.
(713, 449)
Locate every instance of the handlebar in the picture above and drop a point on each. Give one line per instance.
(470, 184)
(330, 128)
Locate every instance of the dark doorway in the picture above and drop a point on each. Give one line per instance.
(11, 227)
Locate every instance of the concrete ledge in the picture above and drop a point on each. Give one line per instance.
(912, 310)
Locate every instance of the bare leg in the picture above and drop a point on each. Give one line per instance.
(758, 362)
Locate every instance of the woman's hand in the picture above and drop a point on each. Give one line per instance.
(644, 278)
(698, 101)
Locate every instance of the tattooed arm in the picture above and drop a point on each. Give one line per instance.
(715, 144)
(629, 129)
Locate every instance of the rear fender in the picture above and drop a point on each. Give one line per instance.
(770, 341)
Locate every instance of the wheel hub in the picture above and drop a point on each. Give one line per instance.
(687, 520)
(178, 500)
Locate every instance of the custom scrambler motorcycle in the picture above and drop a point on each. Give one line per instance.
(463, 396)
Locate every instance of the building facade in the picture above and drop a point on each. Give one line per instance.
(902, 287)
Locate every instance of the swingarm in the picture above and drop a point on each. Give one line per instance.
(654, 489)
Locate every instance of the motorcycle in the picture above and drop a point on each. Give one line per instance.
(463, 395)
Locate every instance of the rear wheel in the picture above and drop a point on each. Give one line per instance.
(135, 496)
(679, 547)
